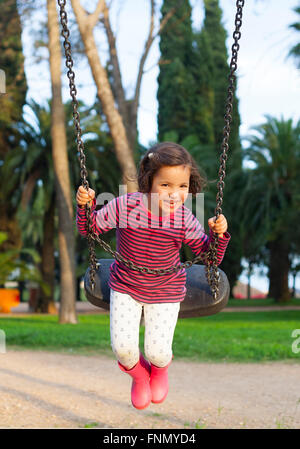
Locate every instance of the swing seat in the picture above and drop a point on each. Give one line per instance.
(197, 302)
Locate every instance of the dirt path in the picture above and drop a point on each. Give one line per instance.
(50, 390)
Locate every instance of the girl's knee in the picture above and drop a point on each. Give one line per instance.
(159, 358)
(127, 356)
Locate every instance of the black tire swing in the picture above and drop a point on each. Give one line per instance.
(207, 286)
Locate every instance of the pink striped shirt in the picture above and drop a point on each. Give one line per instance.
(149, 241)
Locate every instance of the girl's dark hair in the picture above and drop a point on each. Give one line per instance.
(171, 154)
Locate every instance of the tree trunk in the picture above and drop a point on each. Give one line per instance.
(124, 152)
(61, 168)
(294, 285)
(249, 274)
(279, 267)
(249, 283)
(21, 287)
(46, 302)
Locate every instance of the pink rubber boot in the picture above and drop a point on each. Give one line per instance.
(159, 383)
(140, 389)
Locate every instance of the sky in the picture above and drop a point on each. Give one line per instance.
(268, 81)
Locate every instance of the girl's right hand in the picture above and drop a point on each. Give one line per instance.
(83, 197)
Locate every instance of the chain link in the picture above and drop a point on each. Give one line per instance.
(210, 257)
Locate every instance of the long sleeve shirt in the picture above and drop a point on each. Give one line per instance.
(150, 241)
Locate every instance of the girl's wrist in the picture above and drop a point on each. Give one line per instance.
(82, 206)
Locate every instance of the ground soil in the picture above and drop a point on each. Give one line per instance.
(55, 390)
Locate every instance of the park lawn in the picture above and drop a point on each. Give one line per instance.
(230, 336)
(263, 302)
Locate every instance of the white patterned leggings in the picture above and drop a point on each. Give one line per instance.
(160, 323)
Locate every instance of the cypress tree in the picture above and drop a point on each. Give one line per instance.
(216, 39)
(185, 84)
(175, 81)
(203, 101)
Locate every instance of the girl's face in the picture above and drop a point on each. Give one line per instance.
(170, 188)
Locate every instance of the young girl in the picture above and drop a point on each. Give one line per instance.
(151, 226)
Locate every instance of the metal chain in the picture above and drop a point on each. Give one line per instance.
(212, 272)
(80, 145)
(210, 257)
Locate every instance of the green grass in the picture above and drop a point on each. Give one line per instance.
(230, 336)
(261, 302)
(238, 336)
(91, 334)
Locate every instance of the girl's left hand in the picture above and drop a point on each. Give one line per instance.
(220, 226)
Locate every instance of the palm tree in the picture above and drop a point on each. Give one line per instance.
(28, 173)
(272, 193)
(14, 268)
(295, 50)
